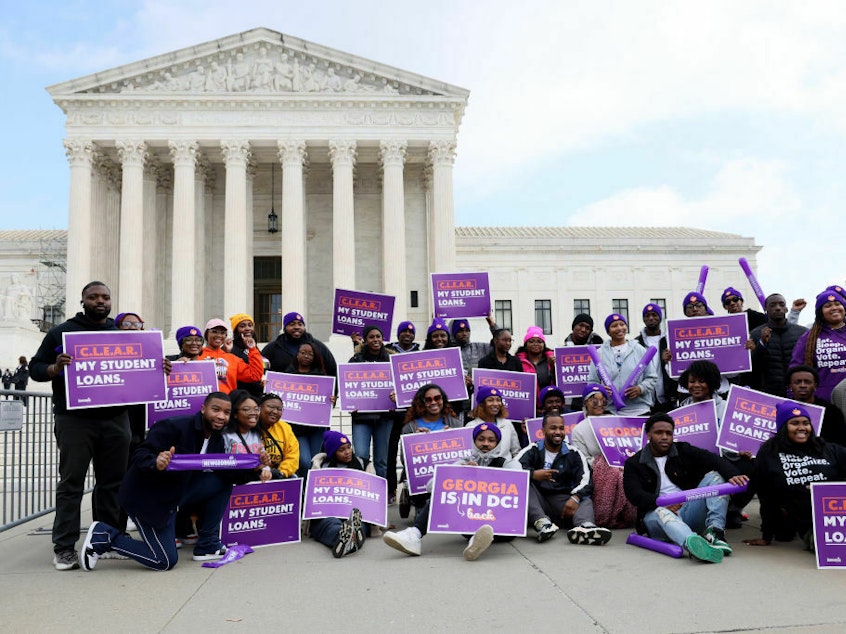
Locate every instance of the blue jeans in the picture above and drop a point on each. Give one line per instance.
(379, 430)
(694, 516)
(311, 442)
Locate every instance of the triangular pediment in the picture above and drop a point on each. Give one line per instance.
(260, 62)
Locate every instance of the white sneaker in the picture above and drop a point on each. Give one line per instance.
(407, 541)
(87, 555)
(545, 529)
(479, 542)
(130, 526)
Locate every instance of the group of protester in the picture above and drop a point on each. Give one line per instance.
(571, 484)
(19, 378)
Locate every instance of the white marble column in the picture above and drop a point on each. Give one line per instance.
(133, 156)
(164, 238)
(342, 153)
(183, 272)
(80, 153)
(202, 196)
(442, 216)
(392, 157)
(252, 168)
(148, 305)
(236, 153)
(292, 155)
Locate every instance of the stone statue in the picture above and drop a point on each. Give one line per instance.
(283, 80)
(240, 75)
(216, 78)
(18, 300)
(197, 80)
(333, 82)
(262, 71)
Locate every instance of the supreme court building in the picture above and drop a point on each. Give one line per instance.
(258, 172)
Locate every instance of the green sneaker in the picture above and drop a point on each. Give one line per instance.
(699, 548)
(717, 539)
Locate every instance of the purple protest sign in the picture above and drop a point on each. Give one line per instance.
(517, 389)
(697, 424)
(306, 398)
(365, 387)
(572, 369)
(412, 370)
(534, 426)
(213, 461)
(424, 451)
(263, 514)
(456, 295)
(336, 492)
(720, 339)
(356, 309)
(466, 498)
(619, 437)
(187, 386)
(749, 420)
(828, 504)
(114, 367)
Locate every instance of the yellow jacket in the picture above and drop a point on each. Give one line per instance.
(283, 448)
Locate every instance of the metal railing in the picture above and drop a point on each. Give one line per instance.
(29, 462)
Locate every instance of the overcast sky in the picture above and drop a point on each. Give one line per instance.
(718, 115)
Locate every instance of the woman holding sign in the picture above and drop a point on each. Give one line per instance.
(309, 437)
(619, 360)
(375, 426)
(491, 409)
(823, 347)
(785, 466)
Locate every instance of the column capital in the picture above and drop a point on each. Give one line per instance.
(235, 152)
(392, 152)
(342, 152)
(442, 152)
(80, 152)
(183, 152)
(132, 152)
(252, 168)
(292, 152)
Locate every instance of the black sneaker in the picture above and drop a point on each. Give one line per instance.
(717, 539)
(210, 556)
(346, 540)
(357, 529)
(66, 560)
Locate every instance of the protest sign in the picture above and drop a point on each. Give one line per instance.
(365, 387)
(457, 295)
(517, 389)
(697, 424)
(534, 426)
(263, 514)
(306, 398)
(749, 420)
(336, 492)
(465, 498)
(413, 370)
(113, 367)
(719, 339)
(572, 369)
(423, 452)
(187, 387)
(619, 437)
(356, 309)
(828, 504)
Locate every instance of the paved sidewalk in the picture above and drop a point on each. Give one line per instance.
(521, 586)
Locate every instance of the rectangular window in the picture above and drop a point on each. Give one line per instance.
(415, 302)
(620, 306)
(502, 313)
(581, 307)
(662, 303)
(268, 314)
(543, 315)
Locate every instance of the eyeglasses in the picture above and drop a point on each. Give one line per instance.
(131, 325)
(274, 408)
(433, 399)
(249, 410)
(305, 353)
(197, 341)
(696, 305)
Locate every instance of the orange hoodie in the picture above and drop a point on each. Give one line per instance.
(231, 369)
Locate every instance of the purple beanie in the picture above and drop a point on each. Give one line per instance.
(478, 429)
(591, 389)
(287, 319)
(187, 331)
(828, 296)
(459, 324)
(486, 391)
(730, 292)
(614, 317)
(406, 325)
(437, 324)
(692, 297)
(787, 410)
(548, 390)
(334, 440)
(653, 308)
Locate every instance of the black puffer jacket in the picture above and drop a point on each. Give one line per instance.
(771, 361)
